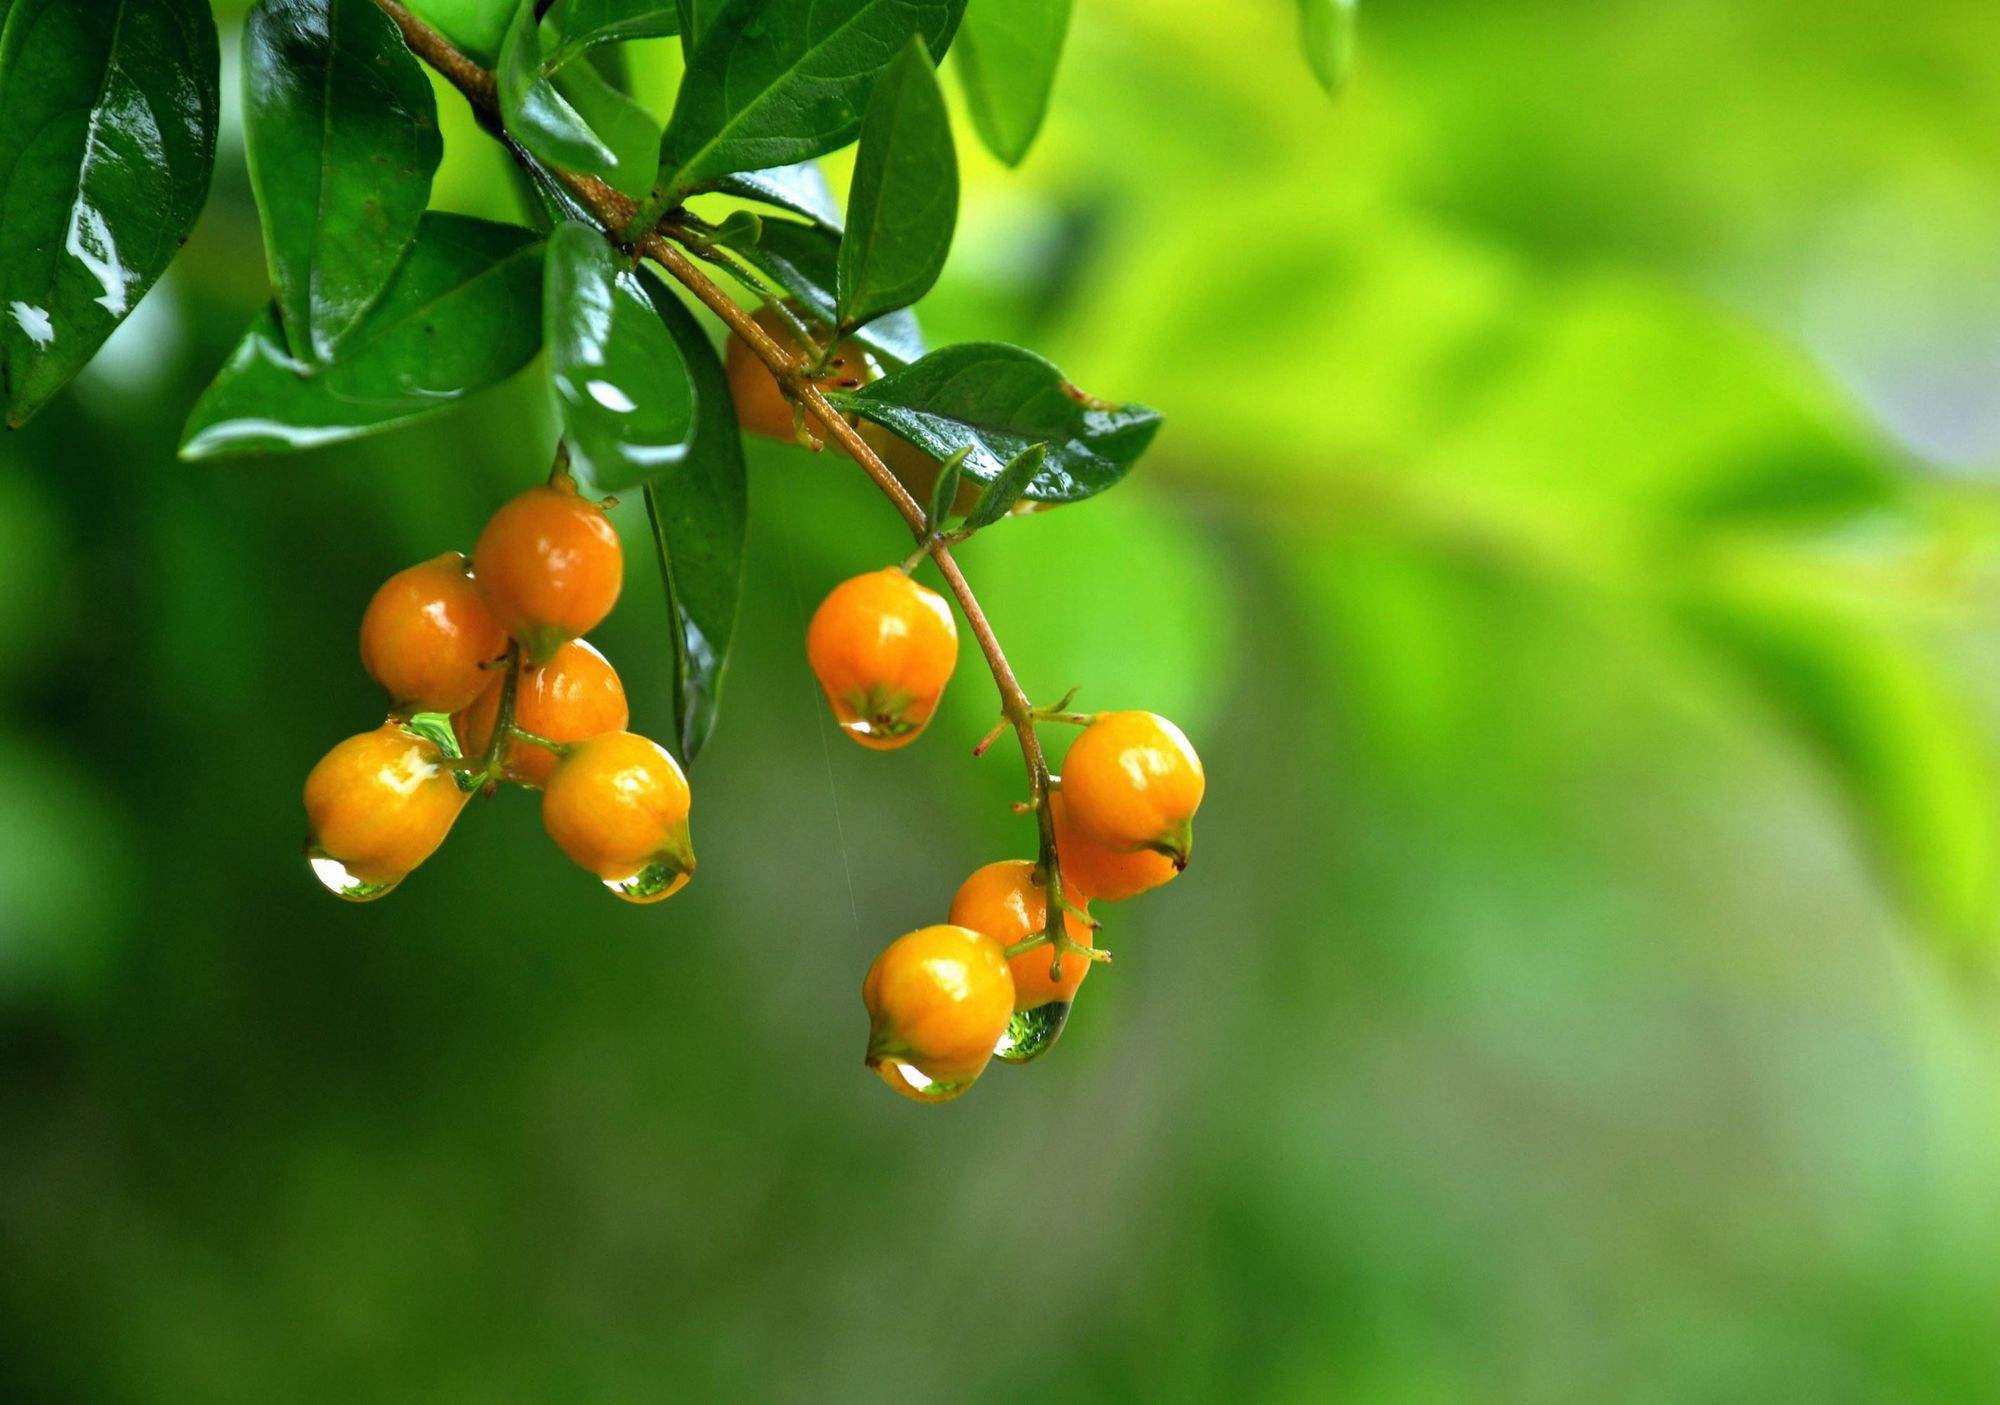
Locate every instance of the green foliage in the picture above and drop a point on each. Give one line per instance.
(1008, 488)
(903, 205)
(1326, 33)
(803, 261)
(463, 313)
(476, 28)
(586, 24)
(566, 113)
(1007, 55)
(799, 188)
(944, 492)
(340, 128)
(1000, 401)
(107, 138)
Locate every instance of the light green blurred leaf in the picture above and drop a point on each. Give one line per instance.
(1007, 55)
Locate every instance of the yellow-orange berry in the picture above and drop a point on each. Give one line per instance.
(1132, 781)
(549, 566)
(574, 696)
(618, 806)
(1007, 902)
(883, 647)
(377, 805)
(427, 634)
(1105, 875)
(761, 407)
(938, 1000)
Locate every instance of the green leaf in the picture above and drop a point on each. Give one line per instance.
(1326, 32)
(696, 17)
(1007, 489)
(476, 28)
(107, 138)
(778, 81)
(1007, 57)
(903, 205)
(626, 402)
(340, 128)
(944, 492)
(698, 513)
(800, 188)
(1000, 400)
(463, 313)
(802, 260)
(569, 116)
(586, 24)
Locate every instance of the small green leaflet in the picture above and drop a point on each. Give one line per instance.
(1003, 492)
(903, 205)
(802, 259)
(944, 492)
(568, 115)
(1326, 32)
(1007, 57)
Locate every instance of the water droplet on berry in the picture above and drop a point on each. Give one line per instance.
(1032, 1033)
(915, 1084)
(656, 881)
(333, 875)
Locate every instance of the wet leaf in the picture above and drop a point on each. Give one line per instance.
(1007, 56)
(778, 81)
(999, 400)
(569, 116)
(626, 402)
(107, 138)
(340, 128)
(903, 205)
(802, 259)
(463, 313)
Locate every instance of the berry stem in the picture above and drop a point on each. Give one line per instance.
(639, 230)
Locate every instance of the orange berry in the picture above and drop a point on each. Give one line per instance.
(1101, 874)
(549, 566)
(1132, 781)
(377, 805)
(426, 634)
(938, 999)
(883, 647)
(1007, 902)
(761, 407)
(575, 695)
(618, 806)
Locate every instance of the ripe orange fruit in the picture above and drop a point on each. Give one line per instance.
(378, 805)
(938, 1000)
(1092, 871)
(1008, 902)
(1132, 781)
(883, 647)
(426, 634)
(761, 407)
(618, 806)
(549, 566)
(575, 695)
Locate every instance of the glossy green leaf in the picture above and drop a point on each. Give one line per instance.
(699, 512)
(107, 138)
(1008, 488)
(696, 17)
(340, 128)
(585, 24)
(569, 116)
(1007, 56)
(903, 205)
(944, 492)
(463, 313)
(802, 260)
(778, 81)
(626, 402)
(800, 188)
(1326, 32)
(999, 400)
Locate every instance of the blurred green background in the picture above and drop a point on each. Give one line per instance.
(1573, 549)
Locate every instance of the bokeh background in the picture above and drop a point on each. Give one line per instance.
(1573, 550)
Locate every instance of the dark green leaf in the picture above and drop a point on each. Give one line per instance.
(1004, 491)
(341, 131)
(569, 116)
(698, 513)
(777, 81)
(696, 17)
(802, 189)
(626, 403)
(801, 259)
(1000, 400)
(1326, 32)
(107, 138)
(903, 205)
(1007, 57)
(944, 492)
(462, 313)
(585, 24)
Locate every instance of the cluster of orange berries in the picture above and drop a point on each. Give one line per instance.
(943, 1001)
(495, 646)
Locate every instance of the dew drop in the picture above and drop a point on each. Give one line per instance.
(1032, 1033)
(658, 880)
(914, 1084)
(334, 876)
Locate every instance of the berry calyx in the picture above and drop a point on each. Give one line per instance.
(1132, 781)
(1008, 902)
(1089, 870)
(883, 648)
(761, 406)
(618, 806)
(549, 566)
(377, 806)
(574, 696)
(938, 1000)
(427, 636)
